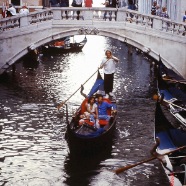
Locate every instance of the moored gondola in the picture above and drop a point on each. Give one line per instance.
(171, 138)
(64, 46)
(86, 138)
(172, 89)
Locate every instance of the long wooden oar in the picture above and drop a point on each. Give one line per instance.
(174, 80)
(156, 97)
(62, 103)
(117, 171)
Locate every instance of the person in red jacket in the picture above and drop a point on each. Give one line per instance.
(88, 3)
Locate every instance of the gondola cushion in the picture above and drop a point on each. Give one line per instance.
(83, 106)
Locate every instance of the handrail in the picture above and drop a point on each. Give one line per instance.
(95, 13)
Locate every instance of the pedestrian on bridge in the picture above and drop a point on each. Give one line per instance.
(11, 11)
(131, 4)
(88, 3)
(64, 3)
(24, 11)
(184, 17)
(164, 13)
(153, 9)
(54, 3)
(110, 4)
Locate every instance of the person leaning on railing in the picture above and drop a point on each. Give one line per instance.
(11, 11)
(164, 13)
(24, 11)
(88, 3)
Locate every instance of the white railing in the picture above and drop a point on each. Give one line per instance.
(94, 14)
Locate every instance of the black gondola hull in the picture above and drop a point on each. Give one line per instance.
(90, 146)
(170, 139)
(172, 94)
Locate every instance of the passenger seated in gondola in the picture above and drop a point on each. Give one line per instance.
(59, 43)
(91, 112)
(91, 107)
(103, 110)
(86, 118)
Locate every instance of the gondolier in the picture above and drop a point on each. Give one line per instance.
(109, 67)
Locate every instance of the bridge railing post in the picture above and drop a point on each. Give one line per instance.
(87, 14)
(121, 14)
(24, 21)
(157, 23)
(56, 14)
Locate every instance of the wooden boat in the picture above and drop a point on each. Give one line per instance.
(172, 88)
(171, 138)
(64, 45)
(86, 139)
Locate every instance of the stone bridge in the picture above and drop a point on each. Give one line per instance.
(151, 34)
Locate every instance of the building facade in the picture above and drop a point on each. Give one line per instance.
(175, 8)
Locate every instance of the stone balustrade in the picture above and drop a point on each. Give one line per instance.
(153, 35)
(94, 14)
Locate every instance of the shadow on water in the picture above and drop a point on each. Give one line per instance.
(27, 64)
(82, 168)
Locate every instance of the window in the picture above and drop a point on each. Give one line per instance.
(16, 2)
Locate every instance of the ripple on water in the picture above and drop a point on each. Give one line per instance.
(33, 150)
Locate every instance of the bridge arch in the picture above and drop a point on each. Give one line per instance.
(151, 34)
(78, 31)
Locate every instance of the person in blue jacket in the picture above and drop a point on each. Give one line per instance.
(103, 106)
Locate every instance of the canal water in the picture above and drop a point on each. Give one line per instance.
(33, 150)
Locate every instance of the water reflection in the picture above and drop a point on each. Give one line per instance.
(81, 170)
(33, 150)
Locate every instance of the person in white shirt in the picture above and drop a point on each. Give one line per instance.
(11, 11)
(109, 67)
(24, 11)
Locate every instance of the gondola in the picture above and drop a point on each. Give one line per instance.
(172, 88)
(64, 46)
(86, 139)
(171, 138)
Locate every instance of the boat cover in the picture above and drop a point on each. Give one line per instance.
(98, 85)
(178, 137)
(93, 134)
(171, 139)
(165, 141)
